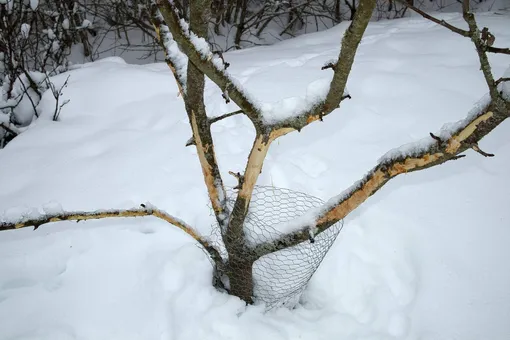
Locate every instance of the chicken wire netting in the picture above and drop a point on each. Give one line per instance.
(279, 278)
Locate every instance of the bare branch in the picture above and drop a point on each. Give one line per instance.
(476, 148)
(205, 62)
(226, 115)
(144, 210)
(482, 40)
(498, 50)
(342, 69)
(472, 129)
(480, 46)
(165, 40)
(443, 23)
(199, 122)
(191, 141)
(452, 28)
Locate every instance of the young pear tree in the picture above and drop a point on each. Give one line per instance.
(191, 60)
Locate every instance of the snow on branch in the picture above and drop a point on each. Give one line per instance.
(331, 95)
(57, 215)
(198, 51)
(448, 144)
(176, 60)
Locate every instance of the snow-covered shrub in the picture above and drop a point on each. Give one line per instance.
(35, 42)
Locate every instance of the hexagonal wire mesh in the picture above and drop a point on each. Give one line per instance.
(279, 278)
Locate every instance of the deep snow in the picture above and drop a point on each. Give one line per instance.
(425, 258)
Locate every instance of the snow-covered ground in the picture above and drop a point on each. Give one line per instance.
(426, 258)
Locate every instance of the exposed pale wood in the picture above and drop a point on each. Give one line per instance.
(466, 137)
(212, 180)
(97, 215)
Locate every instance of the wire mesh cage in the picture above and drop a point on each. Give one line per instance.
(280, 277)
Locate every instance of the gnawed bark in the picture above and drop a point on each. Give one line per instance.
(465, 137)
(144, 210)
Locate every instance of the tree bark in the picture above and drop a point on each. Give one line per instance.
(195, 107)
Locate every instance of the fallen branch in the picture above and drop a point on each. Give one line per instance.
(481, 152)
(144, 210)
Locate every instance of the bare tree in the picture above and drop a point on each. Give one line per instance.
(191, 61)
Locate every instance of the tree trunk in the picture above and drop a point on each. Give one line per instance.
(338, 14)
(240, 274)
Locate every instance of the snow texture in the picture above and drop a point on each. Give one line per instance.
(34, 4)
(425, 258)
(25, 30)
(65, 24)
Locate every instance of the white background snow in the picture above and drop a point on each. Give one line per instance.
(426, 258)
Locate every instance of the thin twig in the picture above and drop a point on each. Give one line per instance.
(213, 120)
(476, 148)
(443, 23)
(226, 115)
(500, 80)
(498, 50)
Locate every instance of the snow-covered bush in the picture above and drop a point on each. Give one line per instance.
(37, 37)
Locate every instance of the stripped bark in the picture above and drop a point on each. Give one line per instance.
(198, 118)
(464, 138)
(193, 96)
(97, 215)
